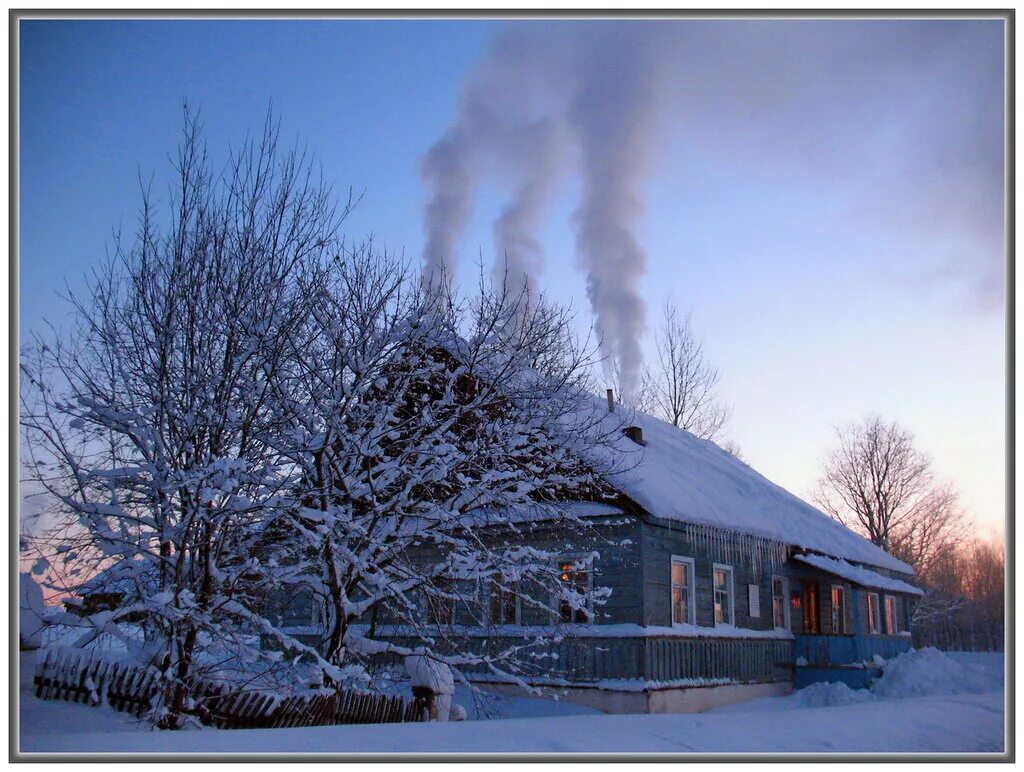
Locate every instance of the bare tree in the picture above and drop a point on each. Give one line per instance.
(937, 524)
(682, 388)
(873, 480)
(877, 482)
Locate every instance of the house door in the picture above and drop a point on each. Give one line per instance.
(811, 624)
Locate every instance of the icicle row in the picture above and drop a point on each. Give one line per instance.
(761, 555)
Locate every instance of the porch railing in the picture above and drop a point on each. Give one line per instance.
(847, 649)
(649, 658)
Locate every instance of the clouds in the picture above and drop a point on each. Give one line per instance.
(903, 118)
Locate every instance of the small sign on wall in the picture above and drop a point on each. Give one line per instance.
(754, 597)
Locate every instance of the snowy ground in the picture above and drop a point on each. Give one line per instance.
(832, 718)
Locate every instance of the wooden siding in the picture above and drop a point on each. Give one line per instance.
(661, 542)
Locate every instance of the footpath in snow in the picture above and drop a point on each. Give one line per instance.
(928, 702)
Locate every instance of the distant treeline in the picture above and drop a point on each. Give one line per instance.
(964, 606)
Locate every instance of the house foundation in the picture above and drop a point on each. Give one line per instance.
(668, 699)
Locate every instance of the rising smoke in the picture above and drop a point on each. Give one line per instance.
(827, 100)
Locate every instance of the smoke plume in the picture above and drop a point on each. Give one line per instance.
(907, 116)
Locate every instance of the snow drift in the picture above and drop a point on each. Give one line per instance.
(928, 672)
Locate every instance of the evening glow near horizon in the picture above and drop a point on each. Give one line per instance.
(825, 197)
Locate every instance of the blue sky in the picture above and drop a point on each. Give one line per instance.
(817, 299)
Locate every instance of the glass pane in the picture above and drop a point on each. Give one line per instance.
(720, 580)
(678, 574)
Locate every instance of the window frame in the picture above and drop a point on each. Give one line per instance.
(788, 623)
(588, 561)
(894, 627)
(842, 609)
(493, 588)
(876, 612)
(690, 569)
(731, 591)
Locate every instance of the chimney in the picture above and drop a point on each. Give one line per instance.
(611, 401)
(635, 433)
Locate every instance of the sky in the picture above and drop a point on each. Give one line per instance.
(824, 197)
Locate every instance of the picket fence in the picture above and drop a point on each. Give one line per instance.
(75, 675)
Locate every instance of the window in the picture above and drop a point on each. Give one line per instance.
(505, 604)
(683, 607)
(723, 594)
(780, 601)
(891, 619)
(874, 616)
(838, 610)
(575, 576)
(812, 622)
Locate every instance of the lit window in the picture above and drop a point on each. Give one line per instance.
(575, 576)
(891, 618)
(505, 604)
(723, 595)
(780, 601)
(682, 591)
(838, 610)
(874, 617)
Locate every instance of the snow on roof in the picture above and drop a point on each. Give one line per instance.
(539, 511)
(858, 575)
(680, 477)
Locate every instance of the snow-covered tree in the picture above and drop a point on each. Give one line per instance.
(245, 405)
(422, 424)
(147, 423)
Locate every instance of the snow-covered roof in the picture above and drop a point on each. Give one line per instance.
(680, 477)
(539, 511)
(122, 576)
(858, 575)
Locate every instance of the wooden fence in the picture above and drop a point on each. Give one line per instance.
(77, 676)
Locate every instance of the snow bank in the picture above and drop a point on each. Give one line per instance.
(829, 695)
(917, 673)
(927, 672)
(826, 694)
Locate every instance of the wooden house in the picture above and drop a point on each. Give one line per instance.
(723, 587)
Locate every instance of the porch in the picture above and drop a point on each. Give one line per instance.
(846, 658)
